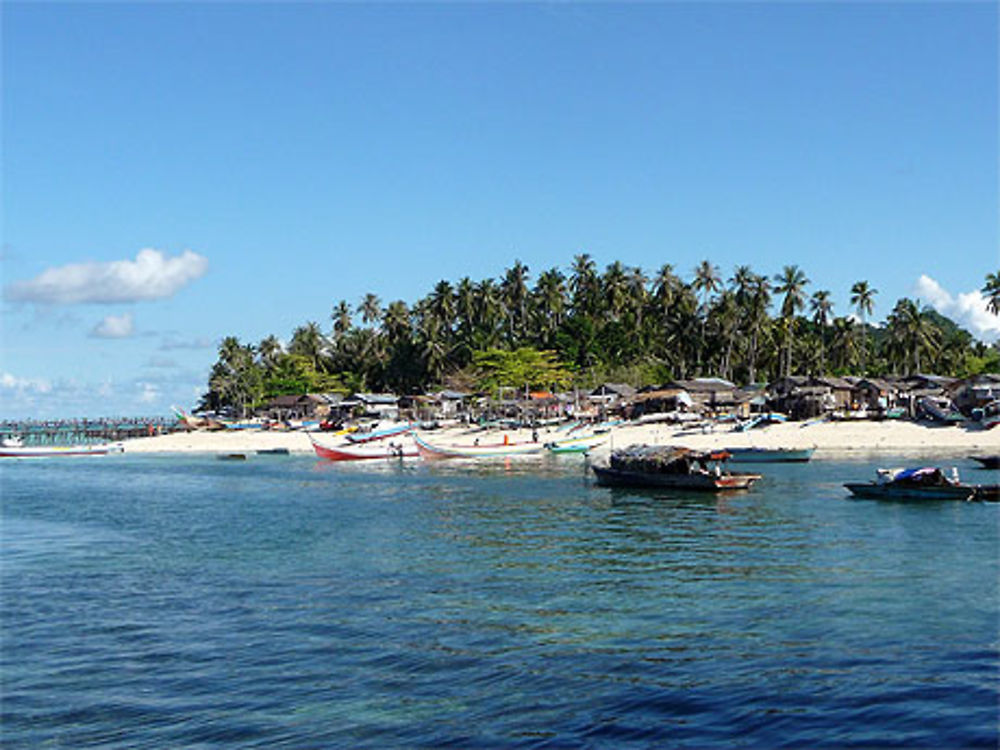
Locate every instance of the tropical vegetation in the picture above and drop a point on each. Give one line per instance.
(591, 325)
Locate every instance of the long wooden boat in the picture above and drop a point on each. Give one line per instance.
(926, 483)
(384, 451)
(769, 455)
(368, 437)
(434, 452)
(609, 477)
(16, 449)
(670, 467)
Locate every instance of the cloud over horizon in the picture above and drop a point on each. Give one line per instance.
(114, 327)
(151, 276)
(967, 309)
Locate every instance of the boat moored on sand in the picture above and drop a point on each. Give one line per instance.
(670, 467)
(381, 450)
(506, 449)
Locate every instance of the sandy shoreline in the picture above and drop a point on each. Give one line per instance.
(828, 438)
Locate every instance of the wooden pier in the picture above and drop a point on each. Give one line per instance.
(86, 431)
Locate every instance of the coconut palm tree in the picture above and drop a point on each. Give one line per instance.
(863, 299)
(706, 282)
(269, 351)
(821, 308)
(549, 304)
(370, 309)
(991, 289)
(791, 283)
(584, 286)
(911, 332)
(341, 316)
(308, 341)
(514, 290)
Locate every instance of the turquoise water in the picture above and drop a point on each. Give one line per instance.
(286, 602)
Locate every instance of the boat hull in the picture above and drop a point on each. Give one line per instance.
(577, 445)
(875, 491)
(42, 451)
(369, 437)
(367, 453)
(609, 477)
(769, 455)
(988, 462)
(432, 452)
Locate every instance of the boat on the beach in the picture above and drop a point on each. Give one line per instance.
(580, 444)
(769, 455)
(368, 436)
(14, 447)
(987, 462)
(761, 420)
(383, 450)
(925, 483)
(499, 450)
(670, 467)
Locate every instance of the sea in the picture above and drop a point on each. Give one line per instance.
(154, 601)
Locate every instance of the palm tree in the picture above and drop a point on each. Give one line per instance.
(614, 286)
(911, 332)
(442, 305)
(269, 351)
(584, 285)
(341, 318)
(549, 303)
(370, 309)
(791, 283)
(863, 299)
(992, 291)
(706, 281)
(514, 289)
(308, 341)
(843, 344)
(821, 307)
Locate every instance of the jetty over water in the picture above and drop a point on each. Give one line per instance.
(84, 431)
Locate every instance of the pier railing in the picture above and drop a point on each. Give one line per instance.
(84, 431)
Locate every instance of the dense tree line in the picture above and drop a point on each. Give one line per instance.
(591, 325)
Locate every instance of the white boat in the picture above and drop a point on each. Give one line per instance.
(502, 450)
(14, 447)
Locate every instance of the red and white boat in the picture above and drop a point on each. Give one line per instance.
(384, 451)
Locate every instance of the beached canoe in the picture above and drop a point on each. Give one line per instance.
(580, 444)
(383, 450)
(368, 437)
(503, 450)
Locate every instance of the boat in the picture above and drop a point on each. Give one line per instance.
(988, 462)
(369, 436)
(761, 420)
(769, 455)
(926, 483)
(670, 467)
(14, 447)
(500, 450)
(939, 410)
(384, 451)
(580, 444)
(232, 456)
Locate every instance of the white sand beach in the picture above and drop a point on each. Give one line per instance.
(828, 438)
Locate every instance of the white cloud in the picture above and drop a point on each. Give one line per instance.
(967, 309)
(148, 392)
(12, 383)
(150, 276)
(114, 327)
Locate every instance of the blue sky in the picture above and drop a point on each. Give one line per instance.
(176, 173)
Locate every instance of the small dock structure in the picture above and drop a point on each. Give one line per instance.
(86, 431)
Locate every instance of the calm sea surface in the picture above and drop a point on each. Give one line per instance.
(284, 602)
